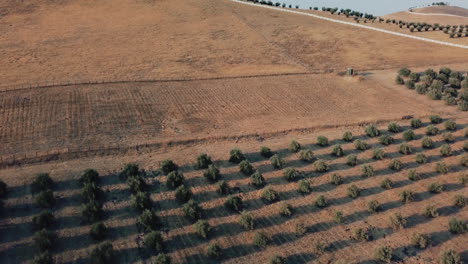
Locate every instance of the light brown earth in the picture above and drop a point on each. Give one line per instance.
(450, 10)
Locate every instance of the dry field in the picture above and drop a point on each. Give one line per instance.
(451, 10)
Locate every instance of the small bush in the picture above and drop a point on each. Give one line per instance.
(162, 258)
(457, 226)
(202, 228)
(130, 169)
(321, 201)
(294, 146)
(450, 125)
(45, 199)
(306, 155)
(459, 201)
(192, 210)
(386, 184)
(384, 254)
(367, 170)
(360, 234)
(348, 136)
(257, 179)
(431, 211)
(448, 137)
(290, 174)
(435, 119)
(168, 166)
(337, 151)
(42, 182)
(420, 240)
(277, 162)
(214, 251)
(154, 242)
(427, 143)
(320, 166)
(91, 211)
(304, 186)
(378, 154)
(373, 206)
(351, 160)
(372, 131)
(43, 220)
(339, 217)
(450, 257)
(421, 158)
(270, 195)
(148, 220)
(223, 187)
(431, 130)
(277, 260)
(413, 175)
(43, 258)
(395, 165)
(234, 203)
(212, 173)
(300, 229)
(174, 179)
(394, 127)
(203, 161)
(89, 176)
(465, 146)
(386, 140)
(247, 221)
(98, 231)
(409, 135)
(397, 221)
(141, 201)
(286, 210)
(360, 145)
(446, 150)
(102, 253)
(236, 156)
(135, 183)
(322, 141)
(404, 72)
(463, 179)
(435, 188)
(416, 123)
(405, 149)
(183, 194)
(441, 167)
(353, 191)
(336, 179)
(260, 239)
(406, 196)
(266, 152)
(44, 240)
(319, 247)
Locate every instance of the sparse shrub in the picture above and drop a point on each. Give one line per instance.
(431, 130)
(306, 155)
(304, 186)
(399, 80)
(431, 211)
(270, 195)
(154, 242)
(435, 187)
(434, 94)
(183, 194)
(43, 258)
(141, 201)
(384, 254)
(162, 258)
(44, 240)
(277, 162)
(441, 167)
(291, 174)
(322, 141)
(463, 179)
(277, 259)
(202, 228)
(286, 210)
(435, 119)
(130, 169)
(450, 257)
(168, 166)
(247, 221)
(373, 206)
(223, 187)
(245, 167)
(351, 160)
(212, 173)
(421, 88)
(413, 175)
(378, 154)
(394, 127)
(294, 146)
(337, 150)
(336, 179)
(404, 72)
(319, 247)
(43, 220)
(148, 220)
(463, 105)
(360, 234)
(339, 217)
(203, 161)
(321, 201)
(421, 158)
(135, 183)
(459, 201)
(320, 166)
(395, 165)
(89, 176)
(367, 170)
(102, 253)
(236, 156)
(301, 229)
(465, 146)
(450, 125)
(427, 143)
(91, 211)
(397, 221)
(214, 251)
(372, 130)
(348, 136)
(414, 76)
(386, 140)
(446, 150)
(409, 135)
(192, 210)
(360, 145)
(98, 231)
(353, 191)
(174, 179)
(386, 184)
(416, 123)
(42, 182)
(457, 226)
(257, 179)
(266, 152)
(420, 240)
(405, 148)
(260, 239)
(406, 196)
(45, 199)
(234, 203)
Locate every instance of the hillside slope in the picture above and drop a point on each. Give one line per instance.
(448, 10)
(444, 15)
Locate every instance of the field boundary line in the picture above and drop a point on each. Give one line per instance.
(353, 24)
